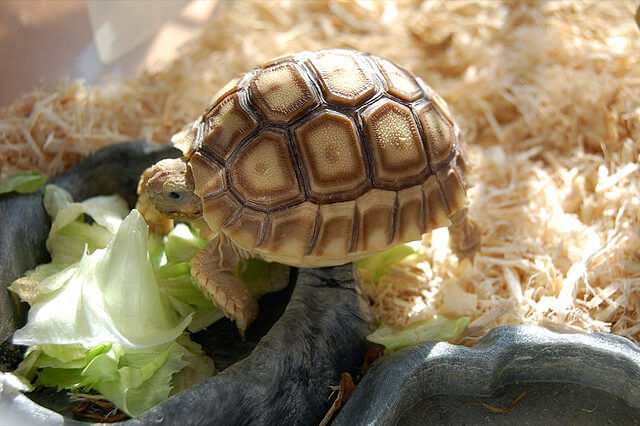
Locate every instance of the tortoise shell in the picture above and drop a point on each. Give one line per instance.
(324, 157)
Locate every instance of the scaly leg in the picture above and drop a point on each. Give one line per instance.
(214, 269)
(465, 235)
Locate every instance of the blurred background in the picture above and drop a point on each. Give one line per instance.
(43, 42)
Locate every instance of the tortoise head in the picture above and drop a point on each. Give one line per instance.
(169, 186)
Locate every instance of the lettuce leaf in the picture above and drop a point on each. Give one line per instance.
(263, 277)
(107, 211)
(133, 379)
(23, 182)
(117, 334)
(111, 295)
(375, 266)
(421, 331)
(182, 243)
(70, 235)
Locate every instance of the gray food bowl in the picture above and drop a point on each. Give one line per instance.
(514, 375)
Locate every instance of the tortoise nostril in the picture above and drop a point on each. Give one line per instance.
(174, 195)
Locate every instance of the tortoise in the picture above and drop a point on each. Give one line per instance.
(314, 159)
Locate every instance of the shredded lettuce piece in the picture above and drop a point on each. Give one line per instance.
(263, 277)
(176, 281)
(133, 379)
(182, 243)
(421, 331)
(375, 266)
(198, 369)
(23, 182)
(67, 245)
(70, 235)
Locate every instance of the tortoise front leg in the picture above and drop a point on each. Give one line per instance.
(465, 235)
(214, 269)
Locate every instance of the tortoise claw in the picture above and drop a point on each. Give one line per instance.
(248, 315)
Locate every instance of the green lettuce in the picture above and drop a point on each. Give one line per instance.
(182, 243)
(111, 295)
(117, 333)
(375, 266)
(421, 331)
(70, 235)
(133, 379)
(23, 182)
(262, 277)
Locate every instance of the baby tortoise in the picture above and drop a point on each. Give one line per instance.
(315, 159)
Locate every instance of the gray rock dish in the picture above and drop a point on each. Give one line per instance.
(566, 379)
(304, 338)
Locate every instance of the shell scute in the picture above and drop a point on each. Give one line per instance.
(453, 190)
(231, 87)
(208, 176)
(396, 145)
(263, 172)
(228, 124)
(219, 209)
(438, 133)
(281, 92)
(335, 229)
(410, 215)
(247, 230)
(400, 83)
(436, 214)
(289, 231)
(437, 100)
(342, 78)
(375, 219)
(332, 157)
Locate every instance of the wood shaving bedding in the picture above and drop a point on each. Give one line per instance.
(547, 95)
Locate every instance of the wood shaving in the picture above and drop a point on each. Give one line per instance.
(345, 389)
(547, 95)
